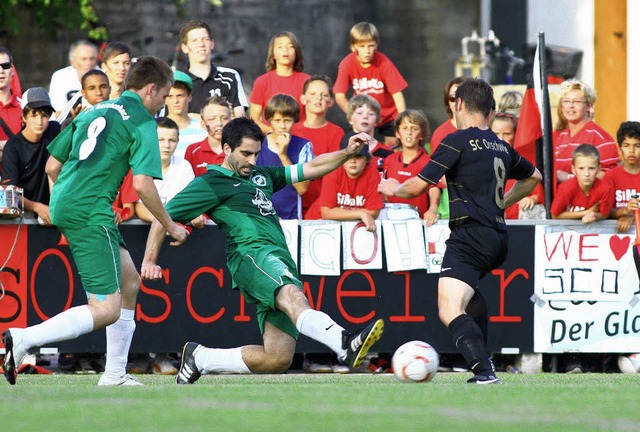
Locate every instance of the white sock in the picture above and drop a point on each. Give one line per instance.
(217, 360)
(66, 325)
(319, 326)
(119, 335)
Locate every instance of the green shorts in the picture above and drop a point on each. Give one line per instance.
(96, 251)
(260, 276)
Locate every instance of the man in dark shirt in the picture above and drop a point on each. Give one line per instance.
(476, 164)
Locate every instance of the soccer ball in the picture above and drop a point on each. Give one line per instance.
(629, 363)
(415, 361)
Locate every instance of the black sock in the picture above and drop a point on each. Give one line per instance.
(477, 309)
(468, 339)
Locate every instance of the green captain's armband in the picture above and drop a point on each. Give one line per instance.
(294, 173)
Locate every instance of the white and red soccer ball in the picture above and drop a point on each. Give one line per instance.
(415, 361)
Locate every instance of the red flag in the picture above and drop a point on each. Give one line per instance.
(530, 122)
(529, 127)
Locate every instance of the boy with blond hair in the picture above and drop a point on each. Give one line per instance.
(363, 112)
(368, 71)
(584, 196)
(412, 128)
(214, 114)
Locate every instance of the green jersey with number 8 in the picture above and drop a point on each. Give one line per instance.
(96, 151)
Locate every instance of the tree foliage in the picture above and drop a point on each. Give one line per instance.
(52, 16)
(55, 15)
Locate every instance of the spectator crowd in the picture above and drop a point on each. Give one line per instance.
(596, 176)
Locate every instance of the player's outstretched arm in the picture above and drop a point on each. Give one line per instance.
(412, 188)
(522, 188)
(325, 163)
(150, 269)
(148, 193)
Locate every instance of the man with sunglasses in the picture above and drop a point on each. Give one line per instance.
(10, 111)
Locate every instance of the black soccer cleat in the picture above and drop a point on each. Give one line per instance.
(484, 379)
(9, 363)
(189, 373)
(358, 344)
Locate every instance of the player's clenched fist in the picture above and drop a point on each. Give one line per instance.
(150, 271)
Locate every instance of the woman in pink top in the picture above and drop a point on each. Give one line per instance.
(575, 113)
(284, 75)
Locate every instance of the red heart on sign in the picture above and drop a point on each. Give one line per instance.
(619, 246)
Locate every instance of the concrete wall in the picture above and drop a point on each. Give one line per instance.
(422, 37)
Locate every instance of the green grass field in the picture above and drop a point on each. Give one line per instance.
(307, 402)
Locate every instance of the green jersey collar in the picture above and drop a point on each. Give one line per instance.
(131, 94)
(220, 169)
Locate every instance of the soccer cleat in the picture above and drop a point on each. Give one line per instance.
(314, 367)
(358, 344)
(340, 369)
(13, 355)
(124, 380)
(189, 373)
(484, 379)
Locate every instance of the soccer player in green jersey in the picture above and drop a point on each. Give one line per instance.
(237, 197)
(88, 161)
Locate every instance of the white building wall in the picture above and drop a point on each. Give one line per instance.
(570, 23)
(567, 23)
(633, 60)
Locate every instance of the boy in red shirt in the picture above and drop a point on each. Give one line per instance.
(214, 114)
(625, 179)
(412, 128)
(317, 98)
(366, 70)
(583, 196)
(625, 185)
(350, 193)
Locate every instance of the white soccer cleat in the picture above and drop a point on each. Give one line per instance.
(124, 380)
(14, 355)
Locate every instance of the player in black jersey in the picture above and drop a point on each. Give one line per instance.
(476, 164)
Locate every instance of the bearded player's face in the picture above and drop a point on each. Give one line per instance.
(243, 158)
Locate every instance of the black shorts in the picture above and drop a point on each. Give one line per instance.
(387, 129)
(473, 251)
